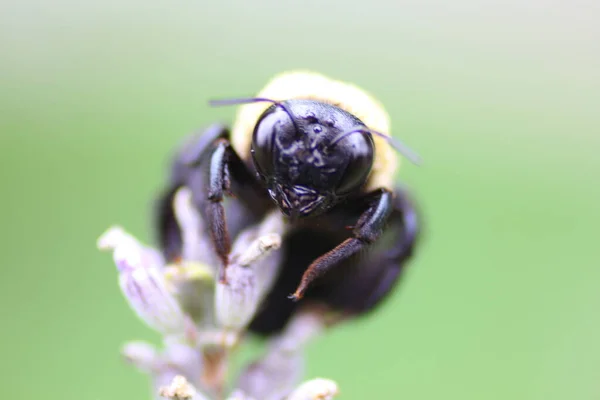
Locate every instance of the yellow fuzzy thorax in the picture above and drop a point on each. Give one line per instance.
(313, 86)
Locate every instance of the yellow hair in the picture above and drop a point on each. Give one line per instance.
(313, 86)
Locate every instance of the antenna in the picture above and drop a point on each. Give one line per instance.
(400, 147)
(233, 102)
(249, 100)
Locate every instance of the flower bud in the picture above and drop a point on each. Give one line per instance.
(143, 284)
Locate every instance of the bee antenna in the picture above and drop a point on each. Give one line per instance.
(249, 100)
(400, 147)
(233, 102)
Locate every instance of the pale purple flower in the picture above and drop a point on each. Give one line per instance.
(142, 283)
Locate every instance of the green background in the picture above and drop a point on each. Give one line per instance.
(501, 99)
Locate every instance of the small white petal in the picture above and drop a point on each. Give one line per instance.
(112, 238)
(315, 389)
(141, 354)
(128, 252)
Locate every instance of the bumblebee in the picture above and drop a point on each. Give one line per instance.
(319, 151)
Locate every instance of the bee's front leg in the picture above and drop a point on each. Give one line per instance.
(208, 165)
(367, 230)
(186, 170)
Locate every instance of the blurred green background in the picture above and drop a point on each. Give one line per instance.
(501, 99)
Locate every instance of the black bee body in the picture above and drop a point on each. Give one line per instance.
(350, 230)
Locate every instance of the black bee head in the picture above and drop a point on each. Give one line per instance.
(310, 155)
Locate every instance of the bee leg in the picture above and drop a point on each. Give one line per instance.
(367, 230)
(226, 168)
(184, 172)
(208, 166)
(219, 184)
(383, 268)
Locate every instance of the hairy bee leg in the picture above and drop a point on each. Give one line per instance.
(367, 230)
(183, 173)
(226, 166)
(393, 260)
(218, 185)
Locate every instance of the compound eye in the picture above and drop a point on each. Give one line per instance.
(359, 149)
(271, 124)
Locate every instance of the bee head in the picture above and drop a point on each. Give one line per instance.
(310, 155)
